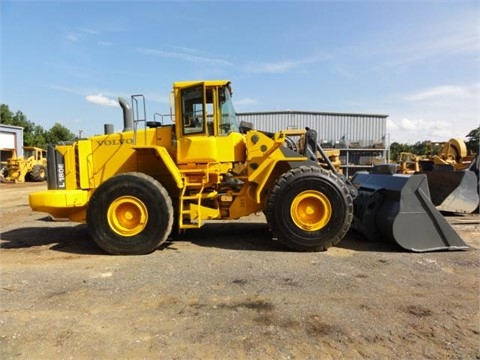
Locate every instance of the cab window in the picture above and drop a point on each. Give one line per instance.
(198, 115)
(193, 121)
(228, 119)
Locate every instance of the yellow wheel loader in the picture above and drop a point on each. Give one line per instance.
(32, 166)
(133, 187)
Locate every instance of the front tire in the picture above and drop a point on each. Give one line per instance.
(309, 209)
(130, 214)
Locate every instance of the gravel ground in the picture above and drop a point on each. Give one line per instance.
(228, 291)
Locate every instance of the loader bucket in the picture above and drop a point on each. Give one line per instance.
(453, 191)
(398, 208)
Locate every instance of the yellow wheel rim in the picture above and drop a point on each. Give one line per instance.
(127, 216)
(311, 210)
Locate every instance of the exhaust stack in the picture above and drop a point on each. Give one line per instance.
(127, 114)
(108, 129)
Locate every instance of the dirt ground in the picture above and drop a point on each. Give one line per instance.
(228, 291)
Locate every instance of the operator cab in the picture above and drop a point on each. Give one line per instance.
(207, 129)
(207, 109)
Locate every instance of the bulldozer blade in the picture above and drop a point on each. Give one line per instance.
(398, 208)
(453, 191)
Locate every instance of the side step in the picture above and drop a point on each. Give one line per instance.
(398, 208)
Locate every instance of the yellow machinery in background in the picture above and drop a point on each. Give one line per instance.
(32, 166)
(452, 177)
(133, 187)
(451, 173)
(408, 163)
(453, 153)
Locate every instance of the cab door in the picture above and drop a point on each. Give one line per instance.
(194, 145)
(200, 138)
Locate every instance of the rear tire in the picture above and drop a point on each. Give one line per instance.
(309, 209)
(38, 173)
(130, 214)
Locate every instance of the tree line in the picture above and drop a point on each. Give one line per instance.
(35, 135)
(430, 148)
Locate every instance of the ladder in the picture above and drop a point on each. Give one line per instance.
(185, 210)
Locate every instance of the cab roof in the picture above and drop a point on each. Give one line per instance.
(184, 84)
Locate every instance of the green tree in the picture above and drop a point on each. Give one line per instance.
(424, 148)
(397, 148)
(5, 115)
(34, 135)
(473, 143)
(58, 133)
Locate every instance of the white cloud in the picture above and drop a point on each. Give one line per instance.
(436, 46)
(436, 113)
(413, 129)
(283, 66)
(402, 47)
(79, 34)
(391, 126)
(104, 43)
(184, 56)
(444, 91)
(407, 124)
(66, 89)
(270, 68)
(71, 37)
(102, 100)
(88, 31)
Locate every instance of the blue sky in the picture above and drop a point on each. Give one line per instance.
(417, 61)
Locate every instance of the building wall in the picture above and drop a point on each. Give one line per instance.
(362, 138)
(362, 130)
(11, 138)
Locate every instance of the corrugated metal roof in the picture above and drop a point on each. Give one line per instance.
(311, 112)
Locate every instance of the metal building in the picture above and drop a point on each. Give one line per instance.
(362, 138)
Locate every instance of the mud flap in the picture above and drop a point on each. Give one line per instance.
(398, 208)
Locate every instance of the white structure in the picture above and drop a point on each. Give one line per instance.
(11, 138)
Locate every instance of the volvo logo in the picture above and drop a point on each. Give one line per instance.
(114, 142)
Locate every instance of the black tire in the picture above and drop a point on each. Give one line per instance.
(309, 209)
(4, 172)
(38, 173)
(130, 214)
